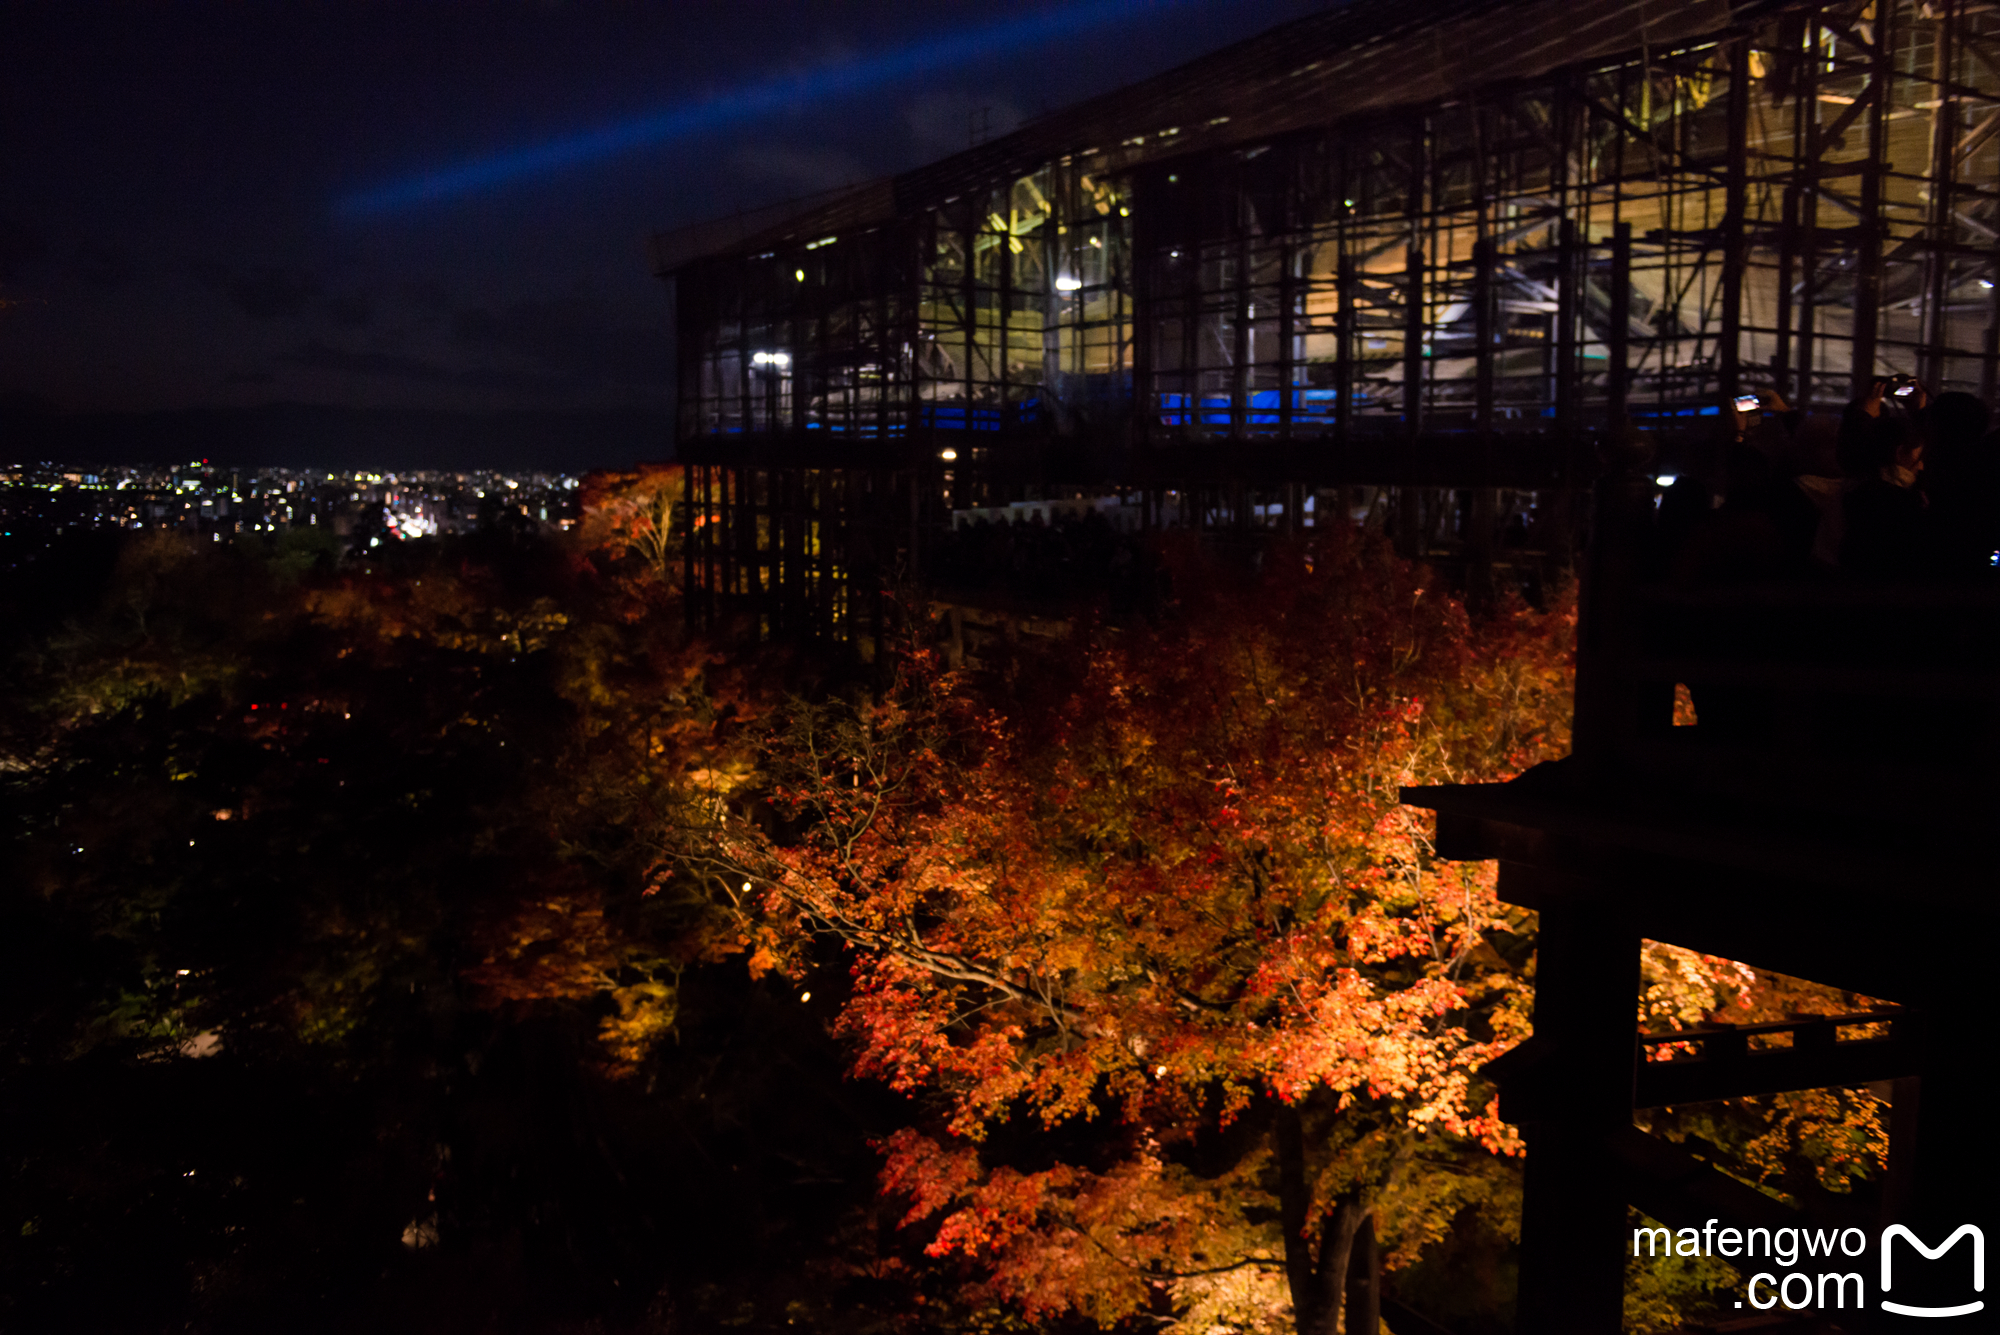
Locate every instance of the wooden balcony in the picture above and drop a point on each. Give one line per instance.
(1832, 813)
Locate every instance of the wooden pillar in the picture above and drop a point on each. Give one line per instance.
(1569, 255)
(1619, 344)
(1735, 252)
(1788, 228)
(1482, 523)
(1345, 325)
(1241, 352)
(1413, 342)
(1485, 335)
(1942, 1177)
(1293, 253)
(698, 590)
(1414, 325)
(1806, 238)
(1868, 263)
(1932, 364)
(1573, 1232)
(1409, 521)
(1610, 706)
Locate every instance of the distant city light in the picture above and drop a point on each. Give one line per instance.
(1667, 479)
(947, 455)
(245, 503)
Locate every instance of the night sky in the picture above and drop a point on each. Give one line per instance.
(411, 215)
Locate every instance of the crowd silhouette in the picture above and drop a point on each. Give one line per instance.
(1899, 486)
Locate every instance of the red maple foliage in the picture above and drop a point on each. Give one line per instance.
(1151, 934)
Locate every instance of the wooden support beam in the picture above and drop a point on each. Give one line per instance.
(1573, 1205)
(1485, 335)
(1414, 328)
(1805, 196)
(1735, 254)
(1619, 341)
(1868, 260)
(1569, 261)
(1931, 363)
(1534, 1077)
(1818, 1057)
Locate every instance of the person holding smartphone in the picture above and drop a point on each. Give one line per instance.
(1885, 533)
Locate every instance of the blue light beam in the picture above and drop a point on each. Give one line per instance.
(735, 107)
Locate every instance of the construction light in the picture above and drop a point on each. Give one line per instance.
(1068, 284)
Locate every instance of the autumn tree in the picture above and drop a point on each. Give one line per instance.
(325, 962)
(635, 509)
(372, 927)
(1191, 1001)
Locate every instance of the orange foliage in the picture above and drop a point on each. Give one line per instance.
(1165, 877)
(632, 512)
(562, 949)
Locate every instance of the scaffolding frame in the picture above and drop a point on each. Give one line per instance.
(1464, 293)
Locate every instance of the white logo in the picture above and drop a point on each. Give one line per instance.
(1894, 1231)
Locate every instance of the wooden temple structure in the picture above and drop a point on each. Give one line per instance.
(1401, 261)
(1832, 830)
(1433, 263)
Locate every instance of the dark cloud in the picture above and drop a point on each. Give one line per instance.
(319, 356)
(18, 405)
(104, 266)
(268, 292)
(426, 295)
(352, 311)
(515, 383)
(249, 378)
(181, 131)
(20, 246)
(574, 336)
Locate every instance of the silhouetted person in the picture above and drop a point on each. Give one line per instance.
(1767, 521)
(1961, 478)
(1887, 534)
